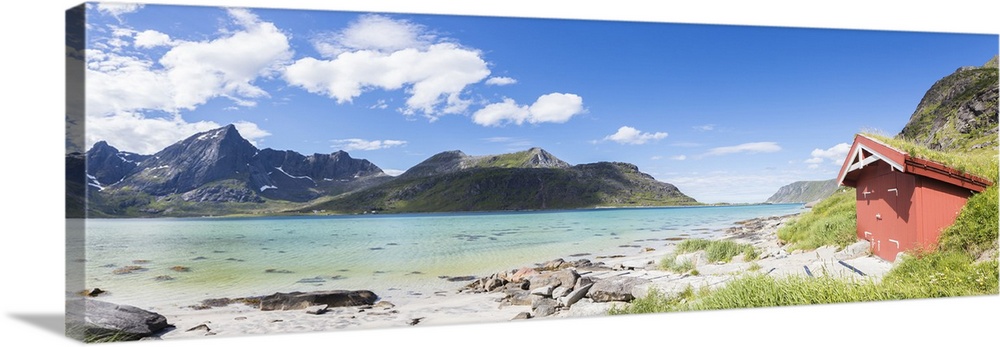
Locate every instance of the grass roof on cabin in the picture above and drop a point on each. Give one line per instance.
(981, 162)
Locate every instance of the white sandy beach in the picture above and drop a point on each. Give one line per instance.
(449, 306)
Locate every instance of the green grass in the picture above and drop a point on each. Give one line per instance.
(831, 222)
(507, 160)
(719, 250)
(715, 251)
(944, 274)
(975, 229)
(935, 275)
(670, 263)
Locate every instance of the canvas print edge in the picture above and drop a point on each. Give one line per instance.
(68, 265)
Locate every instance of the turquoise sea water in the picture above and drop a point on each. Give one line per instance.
(393, 255)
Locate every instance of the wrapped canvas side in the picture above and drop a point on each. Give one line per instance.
(76, 170)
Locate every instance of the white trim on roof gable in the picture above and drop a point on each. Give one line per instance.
(857, 163)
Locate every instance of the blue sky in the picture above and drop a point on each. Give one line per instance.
(726, 113)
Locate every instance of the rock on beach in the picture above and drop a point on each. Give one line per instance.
(99, 318)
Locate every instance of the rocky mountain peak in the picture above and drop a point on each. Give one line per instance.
(959, 112)
(201, 158)
(543, 159)
(107, 165)
(444, 162)
(101, 146)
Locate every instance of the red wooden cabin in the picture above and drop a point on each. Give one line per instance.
(903, 202)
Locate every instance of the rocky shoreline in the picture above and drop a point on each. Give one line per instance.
(574, 286)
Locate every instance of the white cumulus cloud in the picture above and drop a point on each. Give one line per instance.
(632, 136)
(226, 66)
(497, 113)
(378, 52)
(151, 38)
(548, 108)
(751, 147)
(190, 73)
(835, 155)
(500, 81)
(366, 145)
(555, 108)
(117, 9)
(374, 33)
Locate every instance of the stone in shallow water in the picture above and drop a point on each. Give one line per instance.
(316, 279)
(93, 292)
(332, 298)
(128, 269)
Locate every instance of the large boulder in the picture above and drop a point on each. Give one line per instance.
(520, 298)
(523, 274)
(575, 295)
(544, 307)
(562, 278)
(615, 289)
(331, 298)
(552, 265)
(92, 319)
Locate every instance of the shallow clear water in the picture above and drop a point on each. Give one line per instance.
(393, 255)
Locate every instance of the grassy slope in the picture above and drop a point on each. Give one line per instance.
(950, 270)
(499, 189)
(830, 222)
(128, 203)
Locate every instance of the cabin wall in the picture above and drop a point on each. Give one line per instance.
(941, 204)
(899, 212)
(876, 209)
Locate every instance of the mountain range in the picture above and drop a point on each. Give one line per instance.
(803, 192)
(218, 172)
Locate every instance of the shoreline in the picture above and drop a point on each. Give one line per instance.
(328, 214)
(454, 305)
